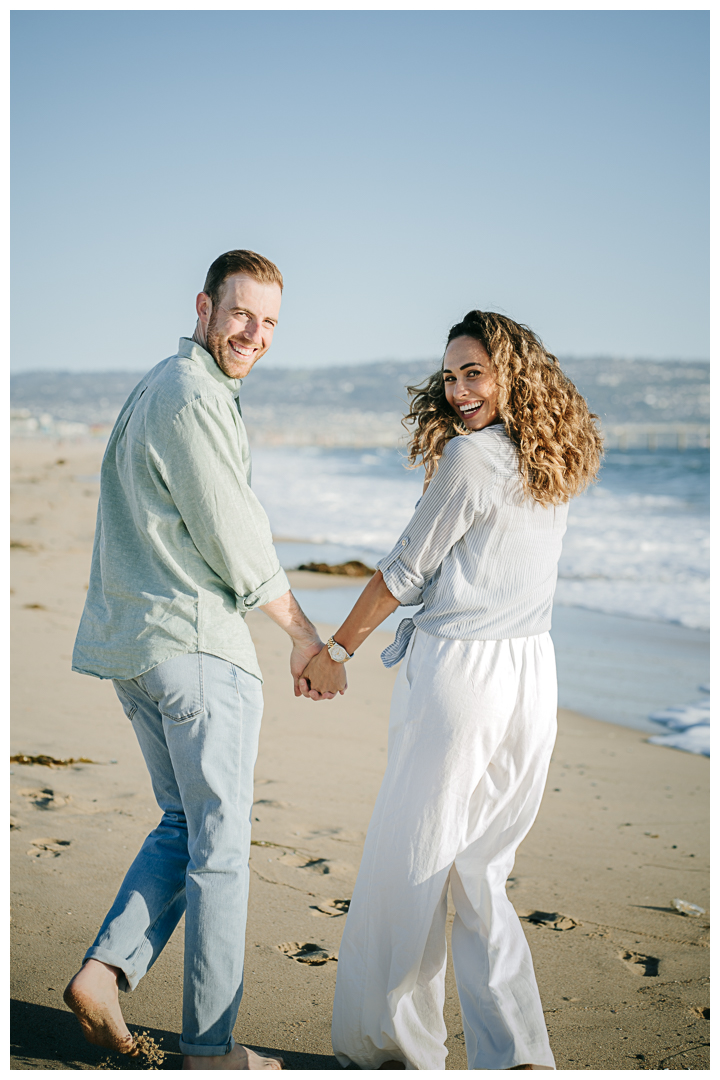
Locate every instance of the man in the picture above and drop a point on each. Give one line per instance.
(182, 551)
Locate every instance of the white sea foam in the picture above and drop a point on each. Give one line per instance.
(645, 556)
(689, 724)
(353, 498)
(696, 740)
(682, 717)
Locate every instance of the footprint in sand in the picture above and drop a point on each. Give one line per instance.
(46, 847)
(46, 798)
(330, 908)
(302, 862)
(306, 952)
(274, 804)
(14, 823)
(639, 964)
(552, 920)
(342, 835)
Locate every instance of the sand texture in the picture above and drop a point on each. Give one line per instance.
(622, 832)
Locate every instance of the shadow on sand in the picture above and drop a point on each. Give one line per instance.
(42, 1037)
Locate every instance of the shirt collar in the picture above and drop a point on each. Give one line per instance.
(193, 351)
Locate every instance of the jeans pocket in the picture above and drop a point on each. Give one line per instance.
(129, 706)
(176, 686)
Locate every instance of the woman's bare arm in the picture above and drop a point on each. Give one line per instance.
(323, 675)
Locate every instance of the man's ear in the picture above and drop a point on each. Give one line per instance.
(203, 306)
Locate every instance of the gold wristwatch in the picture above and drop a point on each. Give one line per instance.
(337, 652)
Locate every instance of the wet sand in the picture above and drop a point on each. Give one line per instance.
(621, 832)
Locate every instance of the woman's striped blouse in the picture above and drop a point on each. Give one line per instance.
(479, 556)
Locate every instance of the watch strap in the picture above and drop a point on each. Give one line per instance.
(332, 643)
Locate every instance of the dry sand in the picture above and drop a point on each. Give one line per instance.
(621, 832)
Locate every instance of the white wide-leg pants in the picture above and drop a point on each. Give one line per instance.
(472, 727)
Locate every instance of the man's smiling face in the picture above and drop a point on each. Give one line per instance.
(239, 329)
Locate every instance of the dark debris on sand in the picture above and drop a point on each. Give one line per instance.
(352, 568)
(51, 762)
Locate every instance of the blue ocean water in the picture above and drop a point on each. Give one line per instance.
(637, 544)
(632, 605)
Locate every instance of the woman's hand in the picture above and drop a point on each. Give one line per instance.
(323, 678)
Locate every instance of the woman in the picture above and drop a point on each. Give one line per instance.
(506, 441)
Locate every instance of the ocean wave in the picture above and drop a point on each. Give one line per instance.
(637, 544)
(689, 726)
(687, 605)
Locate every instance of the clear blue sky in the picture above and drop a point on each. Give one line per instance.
(400, 168)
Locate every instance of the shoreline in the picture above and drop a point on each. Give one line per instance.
(612, 668)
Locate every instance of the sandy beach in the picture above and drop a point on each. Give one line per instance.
(623, 830)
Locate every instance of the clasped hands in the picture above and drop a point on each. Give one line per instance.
(315, 674)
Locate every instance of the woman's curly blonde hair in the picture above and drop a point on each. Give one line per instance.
(557, 436)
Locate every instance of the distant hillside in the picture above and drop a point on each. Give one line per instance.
(361, 404)
(619, 391)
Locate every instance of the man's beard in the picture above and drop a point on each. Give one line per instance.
(219, 349)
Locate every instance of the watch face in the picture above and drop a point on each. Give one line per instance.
(337, 653)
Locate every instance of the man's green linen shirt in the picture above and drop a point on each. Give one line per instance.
(183, 548)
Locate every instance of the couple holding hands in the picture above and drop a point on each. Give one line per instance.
(183, 550)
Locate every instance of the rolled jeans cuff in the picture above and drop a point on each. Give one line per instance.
(200, 1050)
(128, 978)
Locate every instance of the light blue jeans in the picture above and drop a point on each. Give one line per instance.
(197, 719)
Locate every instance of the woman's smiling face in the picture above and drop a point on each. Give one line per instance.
(471, 388)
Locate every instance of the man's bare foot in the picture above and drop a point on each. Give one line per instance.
(240, 1057)
(392, 1065)
(92, 995)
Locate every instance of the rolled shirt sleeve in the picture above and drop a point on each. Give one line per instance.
(444, 514)
(205, 476)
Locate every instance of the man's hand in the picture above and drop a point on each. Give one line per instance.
(302, 654)
(315, 674)
(286, 612)
(323, 677)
